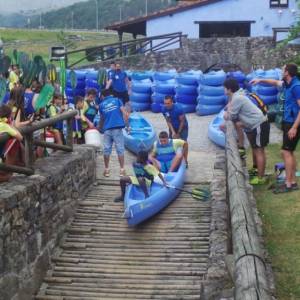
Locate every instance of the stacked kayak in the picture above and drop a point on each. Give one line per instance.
(141, 135)
(215, 134)
(211, 97)
(139, 209)
(140, 97)
(79, 88)
(239, 76)
(186, 90)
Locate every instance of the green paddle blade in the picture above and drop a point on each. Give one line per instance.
(62, 75)
(44, 97)
(16, 56)
(102, 77)
(31, 74)
(2, 89)
(23, 61)
(73, 79)
(5, 63)
(51, 73)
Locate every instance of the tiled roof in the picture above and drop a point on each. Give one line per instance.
(181, 6)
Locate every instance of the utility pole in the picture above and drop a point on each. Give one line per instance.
(146, 7)
(97, 25)
(120, 13)
(40, 20)
(72, 19)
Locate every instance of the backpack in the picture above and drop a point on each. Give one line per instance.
(258, 102)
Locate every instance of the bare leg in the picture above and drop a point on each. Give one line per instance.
(121, 161)
(290, 167)
(156, 163)
(123, 182)
(175, 162)
(57, 137)
(260, 157)
(185, 152)
(106, 161)
(240, 133)
(143, 185)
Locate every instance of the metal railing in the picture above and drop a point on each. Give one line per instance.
(127, 48)
(27, 132)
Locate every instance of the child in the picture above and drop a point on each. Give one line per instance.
(90, 108)
(145, 174)
(11, 150)
(52, 110)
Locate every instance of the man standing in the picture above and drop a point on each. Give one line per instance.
(290, 124)
(120, 84)
(254, 123)
(176, 120)
(112, 116)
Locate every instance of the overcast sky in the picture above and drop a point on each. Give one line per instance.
(18, 5)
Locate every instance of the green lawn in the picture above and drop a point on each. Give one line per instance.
(281, 223)
(37, 42)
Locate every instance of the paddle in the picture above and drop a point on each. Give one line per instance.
(101, 78)
(2, 89)
(73, 81)
(5, 63)
(44, 97)
(62, 77)
(51, 73)
(16, 56)
(197, 193)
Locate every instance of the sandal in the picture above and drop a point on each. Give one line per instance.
(106, 173)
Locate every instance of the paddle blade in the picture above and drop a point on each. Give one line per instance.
(2, 89)
(51, 73)
(5, 63)
(102, 77)
(62, 76)
(73, 79)
(16, 56)
(44, 97)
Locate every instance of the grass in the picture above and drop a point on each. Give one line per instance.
(281, 225)
(37, 42)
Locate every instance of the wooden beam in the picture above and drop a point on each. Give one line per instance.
(53, 146)
(16, 169)
(250, 270)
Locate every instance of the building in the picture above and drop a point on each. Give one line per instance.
(216, 18)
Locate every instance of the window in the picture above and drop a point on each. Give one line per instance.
(279, 3)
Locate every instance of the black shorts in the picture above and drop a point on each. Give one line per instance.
(123, 96)
(259, 137)
(288, 144)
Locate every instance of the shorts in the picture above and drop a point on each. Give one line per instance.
(113, 136)
(259, 136)
(183, 134)
(122, 96)
(287, 144)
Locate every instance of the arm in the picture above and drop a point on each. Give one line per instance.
(274, 82)
(170, 126)
(233, 110)
(108, 84)
(181, 125)
(293, 131)
(128, 83)
(162, 178)
(125, 115)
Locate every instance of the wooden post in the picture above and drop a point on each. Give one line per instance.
(250, 270)
(29, 159)
(69, 138)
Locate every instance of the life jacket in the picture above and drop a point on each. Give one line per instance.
(291, 108)
(258, 102)
(91, 112)
(57, 125)
(165, 154)
(140, 171)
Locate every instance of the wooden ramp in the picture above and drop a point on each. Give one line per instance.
(102, 258)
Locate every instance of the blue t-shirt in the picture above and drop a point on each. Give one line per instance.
(110, 110)
(118, 80)
(172, 115)
(291, 106)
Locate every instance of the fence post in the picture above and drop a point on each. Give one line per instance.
(69, 138)
(29, 158)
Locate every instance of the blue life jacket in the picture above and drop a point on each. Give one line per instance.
(57, 125)
(91, 112)
(140, 171)
(28, 107)
(165, 154)
(291, 107)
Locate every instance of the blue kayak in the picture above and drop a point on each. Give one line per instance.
(141, 135)
(139, 209)
(215, 134)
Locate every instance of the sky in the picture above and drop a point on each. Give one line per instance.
(25, 5)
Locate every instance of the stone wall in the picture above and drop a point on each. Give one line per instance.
(33, 212)
(200, 54)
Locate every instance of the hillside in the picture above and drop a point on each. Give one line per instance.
(83, 16)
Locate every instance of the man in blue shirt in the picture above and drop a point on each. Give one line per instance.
(291, 122)
(120, 83)
(113, 117)
(176, 120)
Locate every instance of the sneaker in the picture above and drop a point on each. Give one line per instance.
(282, 189)
(122, 172)
(258, 180)
(119, 199)
(242, 153)
(106, 173)
(252, 172)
